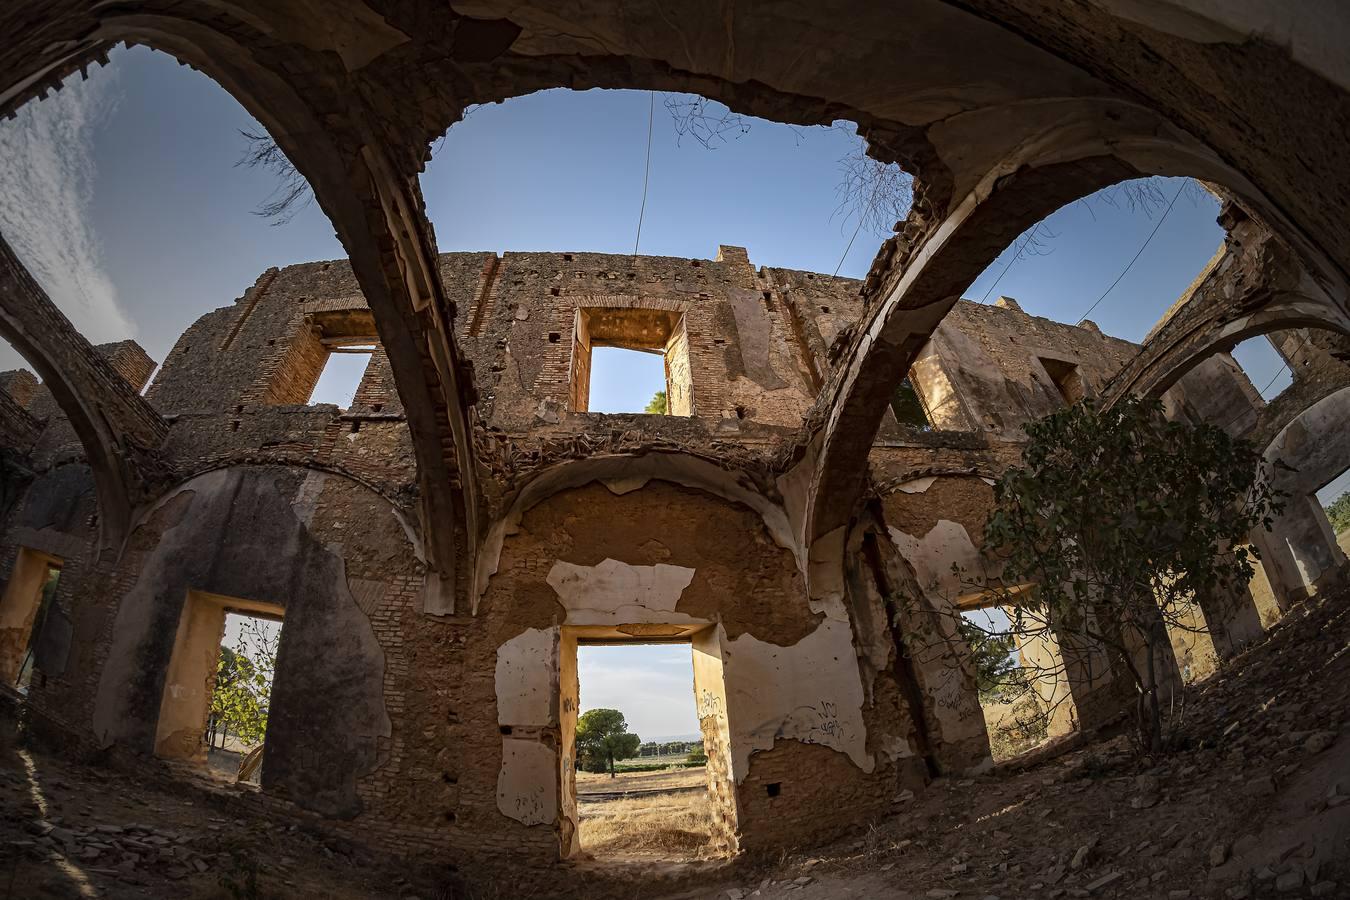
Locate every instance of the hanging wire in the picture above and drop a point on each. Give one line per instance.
(1147, 240)
(646, 173)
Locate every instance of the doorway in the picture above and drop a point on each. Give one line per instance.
(217, 690)
(28, 598)
(646, 772)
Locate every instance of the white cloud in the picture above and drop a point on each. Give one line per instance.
(47, 177)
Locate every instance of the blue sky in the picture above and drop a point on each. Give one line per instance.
(651, 684)
(123, 195)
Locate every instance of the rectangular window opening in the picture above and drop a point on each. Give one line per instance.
(1066, 378)
(1264, 365)
(628, 381)
(1334, 496)
(217, 694)
(630, 361)
(1019, 675)
(641, 742)
(343, 369)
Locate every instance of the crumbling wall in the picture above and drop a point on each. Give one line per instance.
(657, 558)
(284, 537)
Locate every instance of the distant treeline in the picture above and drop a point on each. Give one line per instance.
(670, 748)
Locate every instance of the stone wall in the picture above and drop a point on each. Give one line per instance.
(818, 704)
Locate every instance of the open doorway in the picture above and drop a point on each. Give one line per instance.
(28, 598)
(218, 689)
(646, 772)
(1334, 497)
(1025, 673)
(241, 696)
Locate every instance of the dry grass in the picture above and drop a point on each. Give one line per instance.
(591, 782)
(666, 825)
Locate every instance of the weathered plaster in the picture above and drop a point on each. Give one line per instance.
(615, 593)
(810, 691)
(527, 786)
(526, 679)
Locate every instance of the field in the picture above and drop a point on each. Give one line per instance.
(653, 762)
(675, 822)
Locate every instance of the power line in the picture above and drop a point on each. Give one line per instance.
(647, 172)
(1136, 256)
(1017, 254)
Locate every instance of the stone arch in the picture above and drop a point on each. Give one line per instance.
(1061, 164)
(119, 432)
(628, 472)
(273, 535)
(1305, 455)
(368, 188)
(1215, 335)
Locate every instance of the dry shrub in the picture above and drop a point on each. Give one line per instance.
(672, 824)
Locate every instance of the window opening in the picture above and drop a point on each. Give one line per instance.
(908, 406)
(241, 695)
(341, 375)
(28, 599)
(630, 360)
(1066, 378)
(643, 781)
(627, 381)
(1263, 365)
(217, 693)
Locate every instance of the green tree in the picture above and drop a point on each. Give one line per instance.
(698, 755)
(657, 406)
(1124, 520)
(995, 668)
(603, 737)
(1339, 513)
(243, 690)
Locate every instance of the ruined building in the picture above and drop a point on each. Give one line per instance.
(443, 722)
(437, 550)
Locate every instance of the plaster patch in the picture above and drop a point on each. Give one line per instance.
(810, 691)
(616, 593)
(918, 485)
(932, 557)
(621, 486)
(527, 783)
(526, 676)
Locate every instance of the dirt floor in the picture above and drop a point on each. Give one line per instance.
(1254, 804)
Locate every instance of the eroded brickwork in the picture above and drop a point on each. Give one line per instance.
(818, 706)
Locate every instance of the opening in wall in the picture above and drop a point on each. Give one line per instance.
(1263, 365)
(218, 689)
(1066, 379)
(1334, 496)
(646, 767)
(630, 360)
(27, 600)
(343, 368)
(1021, 673)
(908, 406)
